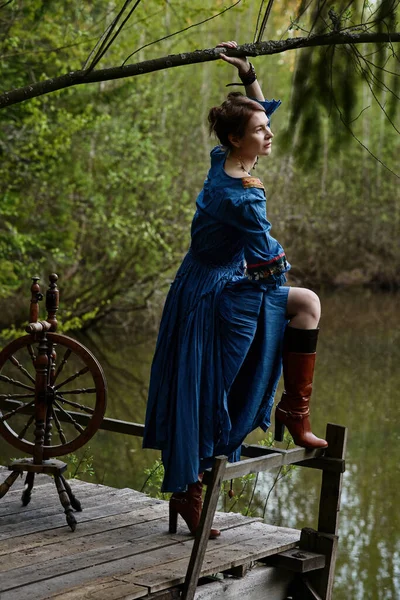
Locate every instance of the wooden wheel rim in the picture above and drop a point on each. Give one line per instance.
(101, 395)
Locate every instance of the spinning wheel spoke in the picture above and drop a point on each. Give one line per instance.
(64, 361)
(59, 428)
(17, 364)
(80, 391)
(31, 353)
(16, 382)
(22, 434)
(16, 410)
(69, 417)
(74, 376)
(15, 396)
(75, 404)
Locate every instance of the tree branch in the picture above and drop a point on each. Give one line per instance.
(198, 56)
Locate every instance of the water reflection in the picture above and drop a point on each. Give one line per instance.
(357, 385)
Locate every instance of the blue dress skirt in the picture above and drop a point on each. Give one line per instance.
(218, 355)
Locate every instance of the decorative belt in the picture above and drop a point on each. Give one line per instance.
(264, 270)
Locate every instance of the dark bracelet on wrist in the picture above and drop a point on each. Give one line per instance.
(249, 77)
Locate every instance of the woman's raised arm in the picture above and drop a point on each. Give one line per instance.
(245, 70)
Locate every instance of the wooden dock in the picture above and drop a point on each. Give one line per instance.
(121, 549)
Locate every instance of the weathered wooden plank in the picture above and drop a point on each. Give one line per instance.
(151, 511)
(37, 512)
(108, 590)
(118, 506)
(128, 567)
(263, 541)
(60, 535)
(266, 460)
(47, 496)
(294, 454)
(75, 554)
(73, 546)
(140, 552)
(226, 520)
(252, 465)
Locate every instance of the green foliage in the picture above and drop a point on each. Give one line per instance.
(98, 182)
(80, 466)
(153, 481)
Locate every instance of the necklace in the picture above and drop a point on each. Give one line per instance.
(240, 163)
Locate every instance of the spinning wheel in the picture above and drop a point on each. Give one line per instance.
(61, 394)
(52, 399)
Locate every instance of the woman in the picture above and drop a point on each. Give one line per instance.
(218, 357)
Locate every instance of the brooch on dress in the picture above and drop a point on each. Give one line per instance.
(252, 182)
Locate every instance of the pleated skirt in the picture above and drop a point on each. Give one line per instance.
(216, 367)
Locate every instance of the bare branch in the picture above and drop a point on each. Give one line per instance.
(198, 56)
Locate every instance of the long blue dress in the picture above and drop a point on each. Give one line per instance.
(218, 355)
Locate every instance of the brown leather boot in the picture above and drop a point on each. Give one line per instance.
(189, 505)
(293, 410)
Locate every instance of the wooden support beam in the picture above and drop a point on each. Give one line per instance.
(239, 571)
(322, 543)
(325, 463)
(203, 531)
(298, 561)
(331, 486)
(302, 589)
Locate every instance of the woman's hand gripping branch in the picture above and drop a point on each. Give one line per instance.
(243, 66)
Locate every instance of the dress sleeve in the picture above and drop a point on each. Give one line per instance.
(269, 106)
(265, 258)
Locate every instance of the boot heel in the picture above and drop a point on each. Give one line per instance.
(279, 430)
(173, 519)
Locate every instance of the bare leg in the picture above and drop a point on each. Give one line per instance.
(303, 308)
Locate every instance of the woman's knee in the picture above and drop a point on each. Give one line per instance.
(315, 305)
(303, 300)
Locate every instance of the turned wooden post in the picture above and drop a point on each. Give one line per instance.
(52, 301)
(52, 304)
(36, 297)
(41, 366)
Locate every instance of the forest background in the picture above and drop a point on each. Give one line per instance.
(98, 182)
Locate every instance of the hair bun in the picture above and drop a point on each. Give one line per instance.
(232, 116)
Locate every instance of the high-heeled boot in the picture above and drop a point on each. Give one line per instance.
(293, 410)
(189, 505)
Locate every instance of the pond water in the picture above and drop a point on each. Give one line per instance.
(357, 384)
